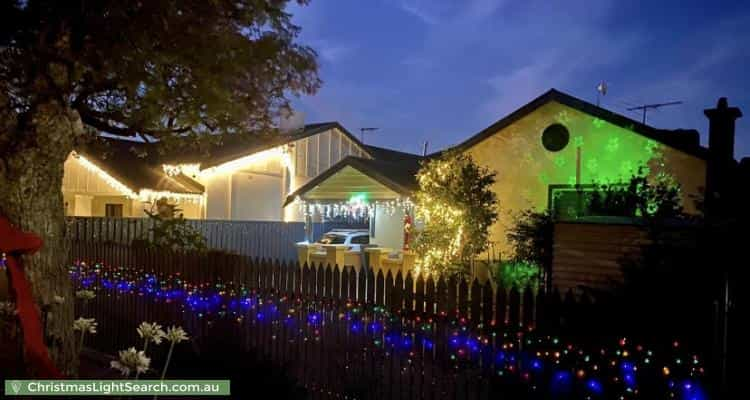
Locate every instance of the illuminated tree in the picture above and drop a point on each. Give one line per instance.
(457, 206)
(180, 73)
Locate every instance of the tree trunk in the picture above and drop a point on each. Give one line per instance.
(31, 174)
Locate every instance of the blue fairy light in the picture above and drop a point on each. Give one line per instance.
(562, 382)
(629, 379)
(692, 391)
(594, 386)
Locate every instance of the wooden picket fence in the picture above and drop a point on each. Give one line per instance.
(481, 303)
(333, 360)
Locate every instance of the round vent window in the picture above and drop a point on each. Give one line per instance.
(555, 137)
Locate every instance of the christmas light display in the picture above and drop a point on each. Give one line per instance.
(457, 205)
(356, 207)
(146, 195)
(546, 364)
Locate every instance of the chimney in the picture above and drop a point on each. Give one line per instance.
(721, 164)
(291, 120)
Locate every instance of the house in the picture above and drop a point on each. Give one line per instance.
(241, 179)
(378, 187)
(554, 143)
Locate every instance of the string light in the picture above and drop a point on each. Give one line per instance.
(356, 207)
(540, 361)
(146, 195)
(109, 179)
(245, 162)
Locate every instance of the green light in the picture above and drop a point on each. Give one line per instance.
(358, 198)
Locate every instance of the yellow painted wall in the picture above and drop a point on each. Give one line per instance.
(609, 153)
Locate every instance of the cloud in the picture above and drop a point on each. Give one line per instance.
(420, 9)
(567, 57)
(312, 19)
(332, 51)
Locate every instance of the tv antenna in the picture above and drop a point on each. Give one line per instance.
(362, 133)
(601, 90)
(656, 106)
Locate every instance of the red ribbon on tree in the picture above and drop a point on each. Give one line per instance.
(14, 243)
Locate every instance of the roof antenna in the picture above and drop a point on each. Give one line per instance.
(646, 107)
(424, 148)
(362, 133)
(601, 91)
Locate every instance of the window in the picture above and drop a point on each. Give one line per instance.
(555, 137)
(363, 239)
(330, 238)
(113, 210)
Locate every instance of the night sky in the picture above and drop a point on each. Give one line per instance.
(444, 70)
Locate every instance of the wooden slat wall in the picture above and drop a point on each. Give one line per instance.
(590, 254)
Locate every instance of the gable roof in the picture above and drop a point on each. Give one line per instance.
(234, 147)
(135, 167)
(138, 165)
(382, 153)
(397, 174)
(685, 140)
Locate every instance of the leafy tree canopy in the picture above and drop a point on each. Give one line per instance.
(166, 70)
(640, 196)
(456, 203)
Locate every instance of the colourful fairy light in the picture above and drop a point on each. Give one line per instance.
(541, 361)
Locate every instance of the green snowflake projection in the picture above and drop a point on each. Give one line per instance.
(592, 165)
(605, 153)
(527, 158)
(560, 161)
(613, 144)
(608, 153)
(627, 168)
(563, 117)
(578, 141)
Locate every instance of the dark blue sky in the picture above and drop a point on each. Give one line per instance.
(443, 70)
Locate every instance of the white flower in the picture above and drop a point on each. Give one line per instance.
(7, 309)
(58, 299)
(87, 325)
(151, 332)
(85, 294)
(131, 361)
(176, 334)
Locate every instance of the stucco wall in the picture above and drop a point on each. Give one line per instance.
(525, 169)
